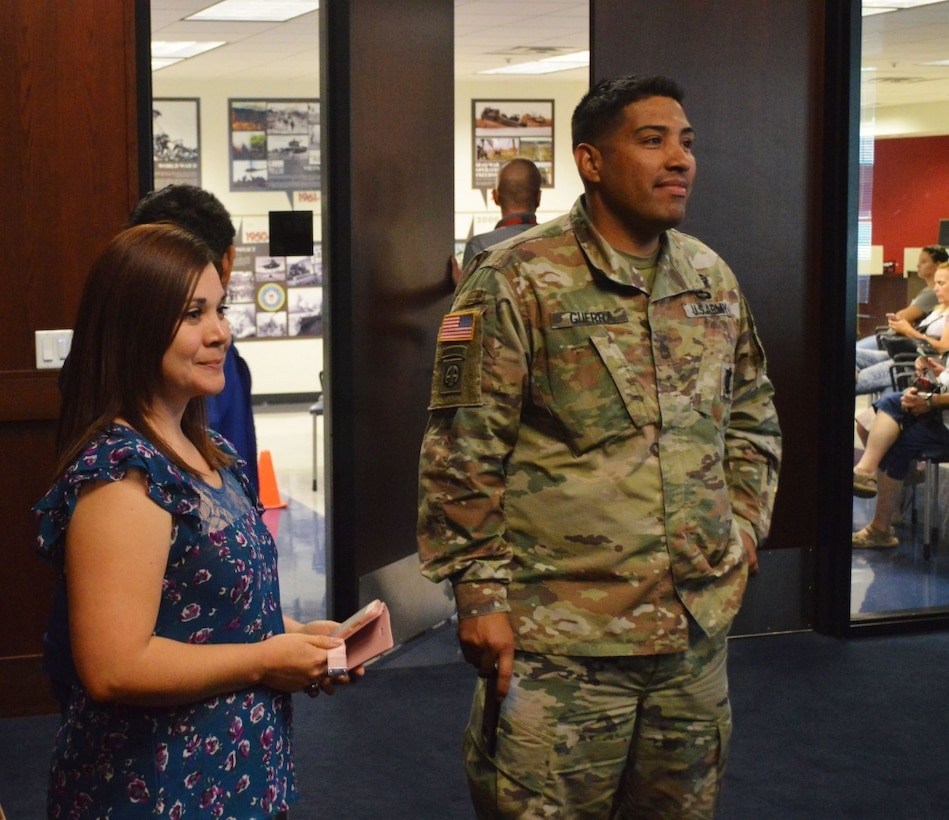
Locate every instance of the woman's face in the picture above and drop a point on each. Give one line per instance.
(925, 265)
(941, 285)
(193, 364)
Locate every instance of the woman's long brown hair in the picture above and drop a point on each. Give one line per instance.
(132, 305)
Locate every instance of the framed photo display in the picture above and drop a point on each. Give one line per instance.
(275, 144)
(275, 297)
(176, 141)
(505, 129)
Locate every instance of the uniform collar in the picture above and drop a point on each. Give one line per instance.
(675, 271)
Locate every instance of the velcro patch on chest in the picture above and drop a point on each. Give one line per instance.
(575, 318)
(708, 310)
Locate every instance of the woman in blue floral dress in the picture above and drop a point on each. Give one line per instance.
(180, 704)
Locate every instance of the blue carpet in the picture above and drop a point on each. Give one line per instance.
(824, 730)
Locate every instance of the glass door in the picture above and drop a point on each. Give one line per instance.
(900, 558)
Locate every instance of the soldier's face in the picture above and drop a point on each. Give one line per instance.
(644, 170)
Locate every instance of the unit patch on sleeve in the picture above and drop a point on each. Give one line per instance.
(456, 381)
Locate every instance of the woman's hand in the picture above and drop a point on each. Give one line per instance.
(902, 327)
(922, 364)
(326, 683)
(295, 661)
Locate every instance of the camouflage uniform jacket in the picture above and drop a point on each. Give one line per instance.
(594, 451)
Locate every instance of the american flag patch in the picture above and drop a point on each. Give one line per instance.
(457, 327)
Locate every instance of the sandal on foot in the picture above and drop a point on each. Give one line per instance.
(864, 486)
(870, 538)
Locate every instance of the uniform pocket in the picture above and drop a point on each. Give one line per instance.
(598, 387)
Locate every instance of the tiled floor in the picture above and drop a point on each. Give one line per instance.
(901, 579)
(286, 431)
(896, 580)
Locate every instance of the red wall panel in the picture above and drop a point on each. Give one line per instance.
(910, 181)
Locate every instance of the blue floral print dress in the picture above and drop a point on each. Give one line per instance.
(225, 757)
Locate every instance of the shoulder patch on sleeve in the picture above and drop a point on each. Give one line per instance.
(456, 381)
(458, 326)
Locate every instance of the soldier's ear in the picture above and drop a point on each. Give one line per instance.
(588, 159)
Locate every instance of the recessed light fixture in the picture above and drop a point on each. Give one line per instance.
(562, 62)
(248, 11)
(182, 49)
(163, 62)
(871, 7)
(169, 52)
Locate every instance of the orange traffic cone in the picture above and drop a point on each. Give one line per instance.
(269, 494)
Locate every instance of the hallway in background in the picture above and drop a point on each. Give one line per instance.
(286, 431)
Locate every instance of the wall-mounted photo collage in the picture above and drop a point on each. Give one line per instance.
(275, 145)
(275, 297)
(506, 129)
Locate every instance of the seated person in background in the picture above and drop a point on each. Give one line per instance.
(929, 258)
(873, 366)
(904, 426)
(230, 413)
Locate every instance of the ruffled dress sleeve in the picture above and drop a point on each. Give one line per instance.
(109, 458)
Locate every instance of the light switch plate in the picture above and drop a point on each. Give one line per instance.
(52, 348)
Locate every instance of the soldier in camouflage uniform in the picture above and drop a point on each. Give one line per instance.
(599, 467)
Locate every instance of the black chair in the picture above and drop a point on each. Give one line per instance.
(931, 460)
(903, 371)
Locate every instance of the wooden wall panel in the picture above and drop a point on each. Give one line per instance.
(773, 91)
(388, 150)
(69, 176)
(751, 73)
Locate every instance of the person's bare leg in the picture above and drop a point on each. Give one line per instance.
(882, 435)
(889, 500)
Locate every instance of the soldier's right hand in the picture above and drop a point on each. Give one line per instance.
(487, 642)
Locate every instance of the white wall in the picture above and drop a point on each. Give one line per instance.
(293, 365)
(915, 120)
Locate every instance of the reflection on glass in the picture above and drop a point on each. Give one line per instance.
(903, 308)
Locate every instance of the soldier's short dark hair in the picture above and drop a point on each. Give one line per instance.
(601, 108)
(191, 208)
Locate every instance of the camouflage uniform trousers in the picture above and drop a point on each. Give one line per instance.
(629, 737)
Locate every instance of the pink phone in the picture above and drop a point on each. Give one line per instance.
(367, 633)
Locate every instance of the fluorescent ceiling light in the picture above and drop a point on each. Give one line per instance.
(183, 49)
(935, 62)
(246, 11)
(870, 7)
(163, 62)
(562, 62)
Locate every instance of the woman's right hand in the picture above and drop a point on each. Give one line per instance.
(293, 661)
(901, 326)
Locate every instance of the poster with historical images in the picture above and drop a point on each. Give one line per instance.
(275, 145)
(505, 129)
(176, 141)
(275, 297)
